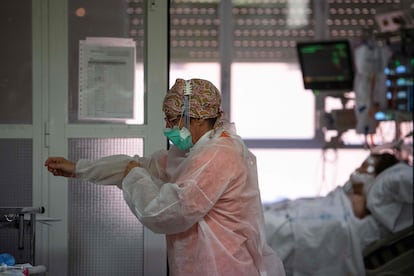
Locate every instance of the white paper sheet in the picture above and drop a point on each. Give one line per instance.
(106, 78)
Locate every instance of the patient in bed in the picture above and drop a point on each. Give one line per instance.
(327, 235)
(361, 179)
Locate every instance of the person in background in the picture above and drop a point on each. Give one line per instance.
(202, 192)
(361, 179)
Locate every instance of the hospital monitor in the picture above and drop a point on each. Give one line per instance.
(326, 65)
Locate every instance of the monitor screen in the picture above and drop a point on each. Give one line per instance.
(326, 65)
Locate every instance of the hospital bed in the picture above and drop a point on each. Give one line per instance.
(321, 235)
(393, 255)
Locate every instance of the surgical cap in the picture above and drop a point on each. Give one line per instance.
(205, 99)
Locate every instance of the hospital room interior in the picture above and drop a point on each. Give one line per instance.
(313, 87)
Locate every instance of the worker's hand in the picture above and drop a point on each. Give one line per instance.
(60, 166)
(132, 164)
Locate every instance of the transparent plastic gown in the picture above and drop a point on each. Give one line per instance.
(206, 201)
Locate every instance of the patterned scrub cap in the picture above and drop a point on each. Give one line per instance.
(205, 99)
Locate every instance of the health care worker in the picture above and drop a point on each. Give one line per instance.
(202, 193)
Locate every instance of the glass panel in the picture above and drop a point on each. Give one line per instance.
(16, 62)
(194, 48)
(268, 100)
(16, 191)
(360, 23)
(16, 174)
(286, 110)
(351, 19)
(264, 36)
(110, 19)
(264, 39)
(194, 31)
(209, 71)
(263, 31)
(105, 238)
(267, 31)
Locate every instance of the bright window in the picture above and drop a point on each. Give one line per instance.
(268, 102)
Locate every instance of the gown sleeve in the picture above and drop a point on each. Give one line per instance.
(110, 170)
(105, 171)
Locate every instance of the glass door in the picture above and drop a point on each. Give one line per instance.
(89, 229)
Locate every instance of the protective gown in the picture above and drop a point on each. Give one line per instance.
(206, 201)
